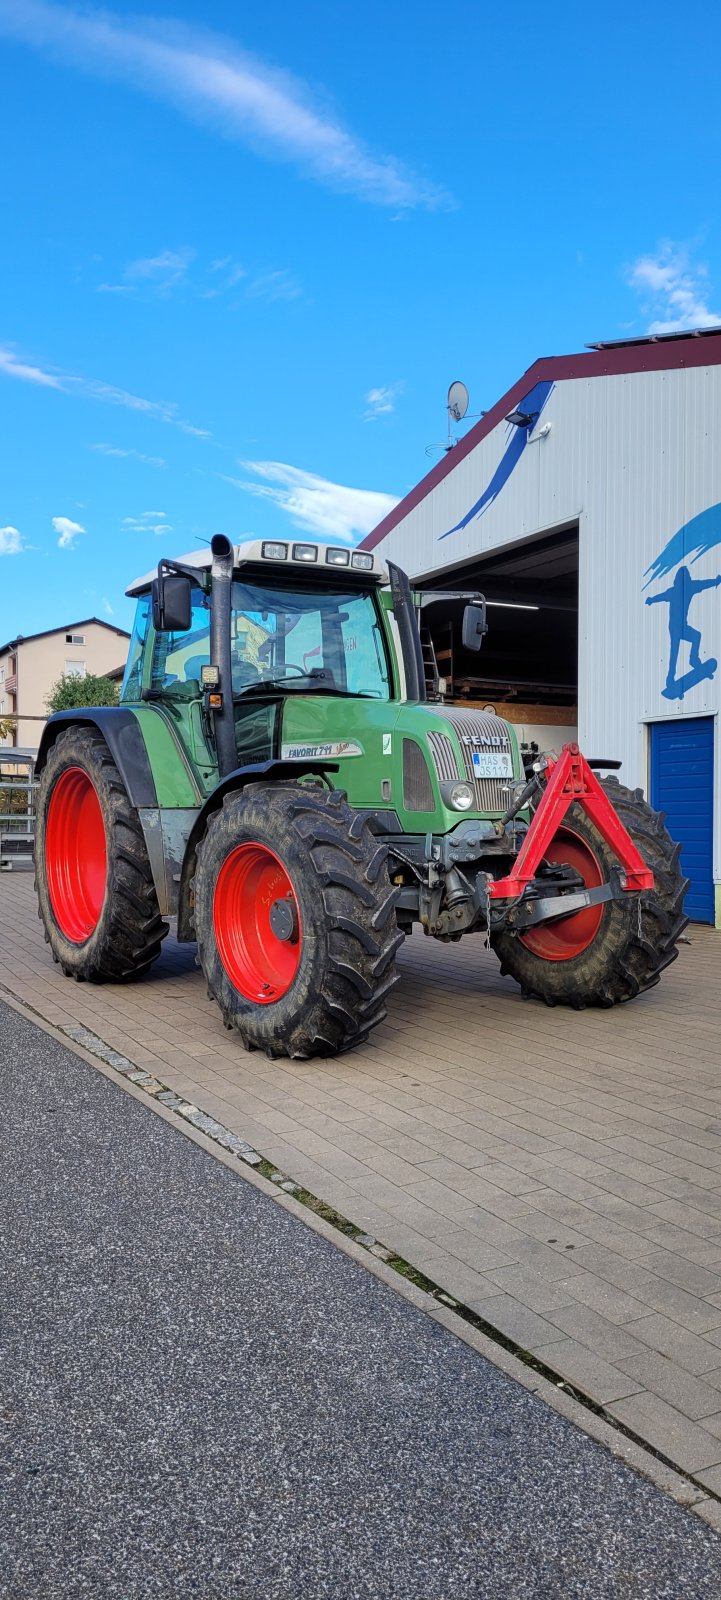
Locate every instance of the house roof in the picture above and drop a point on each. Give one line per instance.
(67, 627)
(656, 353)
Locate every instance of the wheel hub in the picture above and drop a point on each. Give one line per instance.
(284, 920)
(257, 923)
(566, 937)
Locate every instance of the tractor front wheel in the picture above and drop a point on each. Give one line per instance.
(95, 889)
(295, 920)
(610, 952)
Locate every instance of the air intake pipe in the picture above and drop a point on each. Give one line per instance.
(221, 573)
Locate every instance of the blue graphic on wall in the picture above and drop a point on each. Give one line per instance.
(693, 540)
(517, 438)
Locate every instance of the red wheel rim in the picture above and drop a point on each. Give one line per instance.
(76, 856)
(259, 964)
(569, 937)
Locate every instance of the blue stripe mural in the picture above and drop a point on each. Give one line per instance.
(517, 438)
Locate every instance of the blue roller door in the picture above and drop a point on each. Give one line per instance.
(682, 786)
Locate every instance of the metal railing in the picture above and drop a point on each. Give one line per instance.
(17, 806)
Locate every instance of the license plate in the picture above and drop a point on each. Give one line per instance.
(492, 765)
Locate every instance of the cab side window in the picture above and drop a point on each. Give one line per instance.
(133, 676)
(178, 657)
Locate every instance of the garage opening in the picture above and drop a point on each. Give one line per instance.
(527, 668)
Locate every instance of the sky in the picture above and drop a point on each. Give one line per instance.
(246, 249)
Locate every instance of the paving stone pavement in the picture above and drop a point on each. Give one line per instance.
(559, 1172)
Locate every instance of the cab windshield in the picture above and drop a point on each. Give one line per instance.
(294, 640)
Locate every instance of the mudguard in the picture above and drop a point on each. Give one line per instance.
(122, 734)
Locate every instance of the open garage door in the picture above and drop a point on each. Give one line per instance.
(527, 669)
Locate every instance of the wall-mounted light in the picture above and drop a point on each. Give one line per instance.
(522, 419)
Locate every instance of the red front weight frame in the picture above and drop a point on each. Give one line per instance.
(571, 779)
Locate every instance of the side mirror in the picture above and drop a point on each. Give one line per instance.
(474, 626)
(172, 610)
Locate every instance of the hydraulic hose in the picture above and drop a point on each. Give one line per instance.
(221, 573)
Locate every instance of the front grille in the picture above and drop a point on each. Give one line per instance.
(444, 757)
(480, 730)
(417, 788)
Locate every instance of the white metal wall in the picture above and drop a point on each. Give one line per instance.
(633, 458)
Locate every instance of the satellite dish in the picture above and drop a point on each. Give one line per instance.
(458, 399)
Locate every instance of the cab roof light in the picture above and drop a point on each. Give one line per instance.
(337, 558)
(275, 552)
(360, 559)
(305, 552)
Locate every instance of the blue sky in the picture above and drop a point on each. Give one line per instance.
(246, 249)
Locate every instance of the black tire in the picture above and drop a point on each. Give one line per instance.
(129, 931)
(637, 937)
(338, 872)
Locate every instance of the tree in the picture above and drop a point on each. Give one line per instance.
(7, 726)
(70, 692)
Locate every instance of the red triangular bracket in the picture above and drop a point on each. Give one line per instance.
(569, 780)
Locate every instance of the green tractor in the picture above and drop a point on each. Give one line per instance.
(276, 778)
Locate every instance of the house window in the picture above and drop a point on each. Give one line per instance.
(75, 669)
(75, 638)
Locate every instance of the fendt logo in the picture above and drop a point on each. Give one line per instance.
(690, 543)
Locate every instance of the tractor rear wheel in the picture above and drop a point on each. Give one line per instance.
(95, 889)
(611, 952)
(295, 920)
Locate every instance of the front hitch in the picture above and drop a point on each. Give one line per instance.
(571, 781)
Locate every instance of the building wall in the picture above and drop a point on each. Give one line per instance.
(634, 459)
(41, 661)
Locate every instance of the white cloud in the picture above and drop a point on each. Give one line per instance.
(68, 532)
(674, 290)
(115, 288)
(166, 269)
(107, 608)
(382, 401)
(94, 389)
(315, 504)
(128, 455)
(271, 286)
(20, 369)
(212, 79)
(148, 522)
(11, 541)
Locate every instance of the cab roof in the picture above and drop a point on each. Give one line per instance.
(268, 555)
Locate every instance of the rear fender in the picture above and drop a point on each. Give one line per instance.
(122, 734)
(265, 772)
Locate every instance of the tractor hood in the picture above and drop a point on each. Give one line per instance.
(402, 755)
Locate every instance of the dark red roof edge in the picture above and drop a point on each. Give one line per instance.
(661, 356)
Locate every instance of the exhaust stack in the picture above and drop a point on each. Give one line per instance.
(221, 573)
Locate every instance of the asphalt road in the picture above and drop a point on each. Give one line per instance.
(199, 1396)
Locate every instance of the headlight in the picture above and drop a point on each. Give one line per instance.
(459, 796)
(359, 559)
